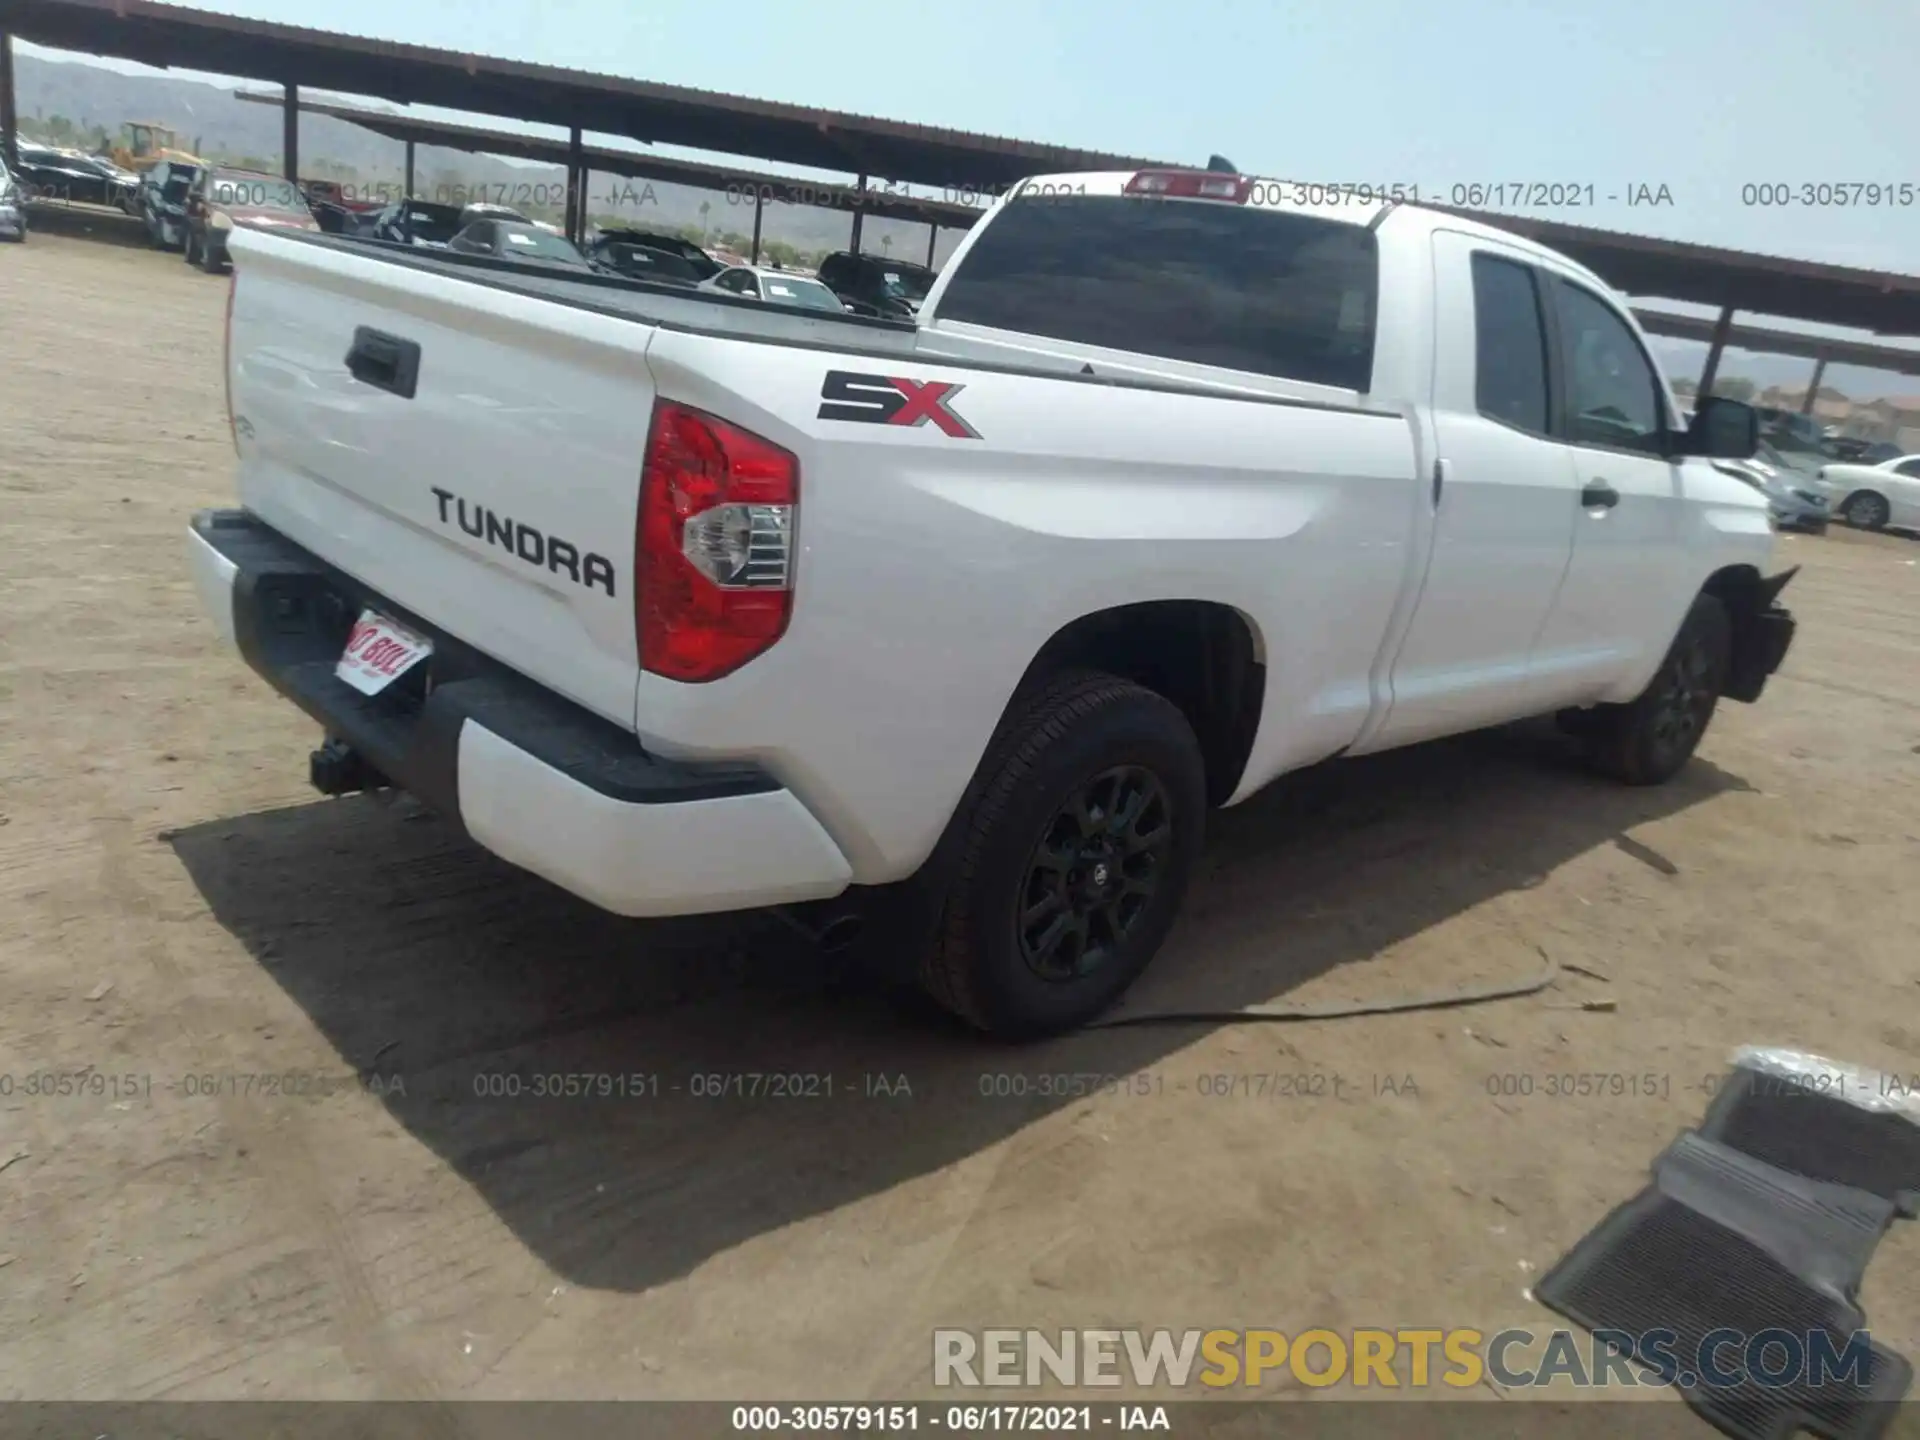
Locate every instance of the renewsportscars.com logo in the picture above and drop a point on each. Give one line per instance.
(1416, 1359)
(893, 400)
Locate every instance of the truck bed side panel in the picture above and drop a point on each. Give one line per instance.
(933, 567)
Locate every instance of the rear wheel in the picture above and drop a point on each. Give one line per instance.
(1867, 510)
(1648, 741)
(1074, 860)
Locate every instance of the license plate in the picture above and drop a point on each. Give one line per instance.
(379, 652)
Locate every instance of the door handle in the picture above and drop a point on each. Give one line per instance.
(386, 362)
(1599, 495)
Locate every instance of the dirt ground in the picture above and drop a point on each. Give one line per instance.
(180, 914)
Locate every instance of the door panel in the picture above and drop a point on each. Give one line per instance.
(1505, 497)
(1627, 587)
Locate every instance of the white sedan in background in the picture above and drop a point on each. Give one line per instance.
(777, 287)
(1875, 496)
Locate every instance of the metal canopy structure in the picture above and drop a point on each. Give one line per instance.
(1881, 302)
(754, 185)
(292, 56)
(1898, 359)
(175, 36)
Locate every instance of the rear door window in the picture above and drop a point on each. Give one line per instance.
(1510, 345)
(1263, 291)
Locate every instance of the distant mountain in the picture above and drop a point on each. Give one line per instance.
(215, 122)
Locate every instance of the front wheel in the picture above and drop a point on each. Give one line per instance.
(1648, 741)
(1867, 510)
(1074, 860)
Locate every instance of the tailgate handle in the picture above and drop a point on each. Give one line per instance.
(384, 361)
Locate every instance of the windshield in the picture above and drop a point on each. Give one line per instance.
(436, 223)
(647, 263)
(792, 290)
(252, 192)
(909, 282)
(529, 240)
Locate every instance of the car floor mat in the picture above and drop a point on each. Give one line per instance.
(1657, 1265)
(1788, 1122)
(1824, 1233)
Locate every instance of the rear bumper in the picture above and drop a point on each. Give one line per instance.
(531, 776)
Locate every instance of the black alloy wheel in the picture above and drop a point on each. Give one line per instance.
(1093, 873)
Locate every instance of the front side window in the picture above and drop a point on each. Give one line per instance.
(1510, 345)
(1255, 290)
(1613, 397)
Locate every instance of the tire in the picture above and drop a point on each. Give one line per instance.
(1648, 741)
(1866, 510)
(1040, 834)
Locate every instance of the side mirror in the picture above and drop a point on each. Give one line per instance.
(1722, 429)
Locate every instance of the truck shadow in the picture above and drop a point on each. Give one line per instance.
(423, 959)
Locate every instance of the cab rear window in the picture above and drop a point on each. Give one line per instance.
(1269, 292)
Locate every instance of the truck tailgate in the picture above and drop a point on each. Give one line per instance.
(481, 468)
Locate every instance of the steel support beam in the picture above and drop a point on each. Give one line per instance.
(407, 179)
(290, 131)
(858, 214)
(933, 238)
(9, 137)
(759, 203)
(576, 221)
(1813, 385)
(1714, 347)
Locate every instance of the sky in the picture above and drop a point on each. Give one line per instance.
(1703, 97)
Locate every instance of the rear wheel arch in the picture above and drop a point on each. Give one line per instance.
(1207, 658)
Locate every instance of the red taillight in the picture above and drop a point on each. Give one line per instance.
(1191, 185)
(226, 360)
(714, 551)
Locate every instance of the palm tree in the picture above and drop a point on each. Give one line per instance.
(705, 205)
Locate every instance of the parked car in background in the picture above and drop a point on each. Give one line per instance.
(1873, 497)
(1793, 501)
(876, 285)
(1852, 450)
(13, 209)
(48, 173)
(338, 212)
(414, 222)
(1799, 431)
(776, 287)
(521, 241)
(642, 262)
(163, 202)
(220, 198)
(486, 210)
(703, 265)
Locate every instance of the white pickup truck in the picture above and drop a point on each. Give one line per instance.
(1175, 485)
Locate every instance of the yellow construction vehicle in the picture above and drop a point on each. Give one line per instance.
(144, 144)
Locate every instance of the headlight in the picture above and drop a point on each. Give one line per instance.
(220, 220)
